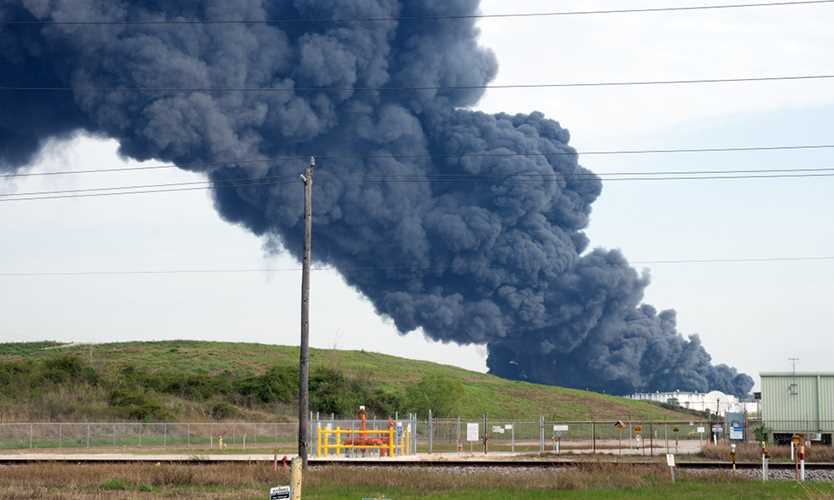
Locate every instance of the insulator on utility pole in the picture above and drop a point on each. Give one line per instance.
(304, 356)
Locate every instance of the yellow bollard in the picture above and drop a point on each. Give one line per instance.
(390, 442)
(338, 441)
(318, 440)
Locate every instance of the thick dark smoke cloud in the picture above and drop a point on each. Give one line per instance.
(499, 259)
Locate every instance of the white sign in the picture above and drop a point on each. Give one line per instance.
(670, 459)
(701, 430)
(497, 429)
(472, 431)
(509, 427)
(280, 492)
(560, 428)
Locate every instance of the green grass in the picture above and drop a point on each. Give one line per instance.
(482, 393)
(681, 489)
(240, 480)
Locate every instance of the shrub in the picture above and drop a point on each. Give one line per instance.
(62, 369)
(385, 401)
(136, 405)
(761, 432)
(332, 392)
(115, 485)
(278, 384)
(435, 393)
(222, 410)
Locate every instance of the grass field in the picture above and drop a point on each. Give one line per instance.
(179, 360)
(73, 482)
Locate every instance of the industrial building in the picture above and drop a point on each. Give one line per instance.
(801, 403)
(715, 402)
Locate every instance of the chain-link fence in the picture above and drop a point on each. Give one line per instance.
(551, 436)
(423, 435)
(181, 436)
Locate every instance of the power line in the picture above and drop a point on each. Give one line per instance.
(511, 179)
(151, 272)
(435, 156)
(750, 79)
(525, 176)
(319, 20)
(208, 183)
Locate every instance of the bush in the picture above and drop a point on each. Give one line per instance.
(222, 410)
(64, 369)
(386, 402)
(332, 392)
(761, 432)
(278, 384)
(115, 485)
(435, 393)
(137, 405)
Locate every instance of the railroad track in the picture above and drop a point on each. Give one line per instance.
(375, 463)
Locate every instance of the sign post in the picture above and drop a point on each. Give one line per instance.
(280, 493)
(472, 434)
(802, 462)
(637, 430)
(716, 430)
(796, 440)
(765, 457)
(670, 461)
(557, 437)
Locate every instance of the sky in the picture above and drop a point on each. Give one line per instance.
(750, 315)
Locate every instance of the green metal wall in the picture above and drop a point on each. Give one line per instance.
(808, 406)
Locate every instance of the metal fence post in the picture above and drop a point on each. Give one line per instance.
(164, 435)
(541, 434)
(651, 440)
(512, 436)
(114, 435)
(60, 436)
(457, 433)
(594, 435)
(486, 435)
(431, 432)
(31, 431)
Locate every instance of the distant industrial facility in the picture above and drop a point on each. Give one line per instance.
(798, 403)
(714, 402)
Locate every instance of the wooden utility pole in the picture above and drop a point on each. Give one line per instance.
(304, 356)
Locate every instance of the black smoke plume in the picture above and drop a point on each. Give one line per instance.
(417, 202)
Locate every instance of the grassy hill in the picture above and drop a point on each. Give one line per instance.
(194, 380)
